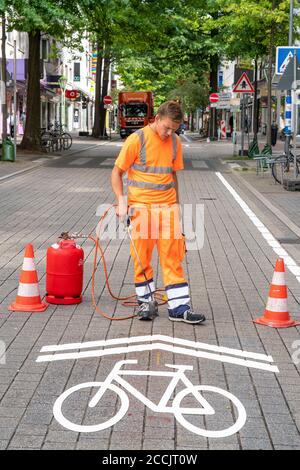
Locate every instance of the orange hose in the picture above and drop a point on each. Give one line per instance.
(127, 300)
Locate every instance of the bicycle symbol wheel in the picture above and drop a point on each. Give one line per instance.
(66, 423)
(179, 412)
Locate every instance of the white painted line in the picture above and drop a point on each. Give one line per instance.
(234, 165)
(186, 138)
(19, 172)
(42, 159)
(270, 239)
(156, 345)
(151, 338)
(160, 346)
(80, 161)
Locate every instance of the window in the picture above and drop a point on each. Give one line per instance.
(44, 52)
(76, 72)
(134, 110)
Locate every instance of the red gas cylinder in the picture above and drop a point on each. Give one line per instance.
(64, 273)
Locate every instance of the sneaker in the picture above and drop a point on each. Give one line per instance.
(188, 316)
(144, 311)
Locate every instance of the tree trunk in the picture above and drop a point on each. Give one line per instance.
(192, 121)
(31, 138)
(3, 80)
(213, 79)
(255, 104)
(104, 92)
(98, 96)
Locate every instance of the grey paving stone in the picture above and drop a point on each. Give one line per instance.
(26, 442)
(3, 444)
(92, 444)
(157, 444)
(256, 444)
(58, 446)
(61, 436)
(37, 414)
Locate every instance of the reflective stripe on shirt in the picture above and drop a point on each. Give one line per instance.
(145, 185)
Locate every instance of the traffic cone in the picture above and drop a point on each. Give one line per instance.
(276, 312)
(28, 297)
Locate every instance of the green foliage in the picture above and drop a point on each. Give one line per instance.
(59, 19)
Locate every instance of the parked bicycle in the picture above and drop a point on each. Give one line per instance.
(54, 138)
(181, 407)
(282, 165)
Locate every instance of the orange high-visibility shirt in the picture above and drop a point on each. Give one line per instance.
(159, 154)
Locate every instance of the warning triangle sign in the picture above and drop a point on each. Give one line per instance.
(243, 85)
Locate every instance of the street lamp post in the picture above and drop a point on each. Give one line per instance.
(288, 98)
(15, 97)
(62, 83)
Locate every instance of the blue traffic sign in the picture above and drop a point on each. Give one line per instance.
(283, 55)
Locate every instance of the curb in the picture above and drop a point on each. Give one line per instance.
(277, 212)
(38, 164)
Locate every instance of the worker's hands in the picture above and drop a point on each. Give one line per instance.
(121, 208)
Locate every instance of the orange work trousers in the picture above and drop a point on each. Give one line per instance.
(158, 225)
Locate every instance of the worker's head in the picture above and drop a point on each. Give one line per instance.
(168, 118)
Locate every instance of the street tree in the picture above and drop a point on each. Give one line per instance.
(59, 19)
(252, 29)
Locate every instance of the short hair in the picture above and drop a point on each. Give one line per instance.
(172, 110)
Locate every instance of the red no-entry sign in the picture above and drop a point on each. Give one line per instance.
(107, 100)
(214, 97)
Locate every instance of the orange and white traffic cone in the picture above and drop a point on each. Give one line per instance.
(28, 297)
(276, 312)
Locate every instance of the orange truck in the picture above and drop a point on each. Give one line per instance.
(135, 111)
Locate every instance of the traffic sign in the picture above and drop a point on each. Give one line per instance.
(291, 76)
(243, 85)
(107, 100)
(283, 56)
(214, 97)
(72, 94)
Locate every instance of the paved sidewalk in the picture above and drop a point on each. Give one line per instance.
(26, 160)
(229, 279)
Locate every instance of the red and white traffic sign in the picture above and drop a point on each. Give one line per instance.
(214, 97)
(107, 100)
(243, 85)
(72, 94)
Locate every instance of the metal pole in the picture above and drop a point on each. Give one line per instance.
(288, 93)
(294, 87)
(87, 116)
(15, 98)
(243, 125)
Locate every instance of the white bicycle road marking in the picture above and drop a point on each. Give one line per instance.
(117, 374)
(149, 343)
(267, 235)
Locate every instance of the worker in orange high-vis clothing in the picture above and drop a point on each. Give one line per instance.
(151, 157)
